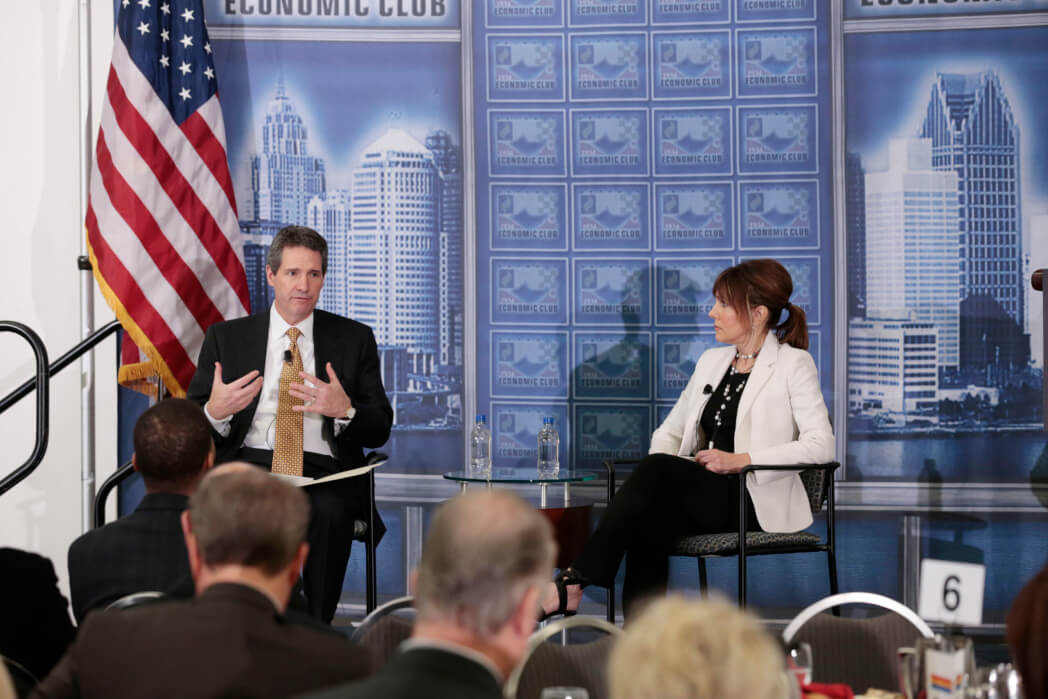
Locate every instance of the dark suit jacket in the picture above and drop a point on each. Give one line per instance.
(34, 617)
(422, 672)
(228, 642)
(240, 345)
(141, 551)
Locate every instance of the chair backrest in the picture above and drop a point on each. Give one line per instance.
(858, 652)
(382, 631)
(815, 480)
(136, 599)
(547, 664)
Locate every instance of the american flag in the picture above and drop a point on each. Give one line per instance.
(161, 221)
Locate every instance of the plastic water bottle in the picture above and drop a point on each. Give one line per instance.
(549, 449)
(480, 449)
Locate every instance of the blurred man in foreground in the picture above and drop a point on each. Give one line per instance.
(245, 534)
(477, 586)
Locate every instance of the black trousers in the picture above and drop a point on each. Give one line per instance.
(665, 496)
(334, 508)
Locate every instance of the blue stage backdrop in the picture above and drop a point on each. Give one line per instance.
(621, 154)
(626, 153)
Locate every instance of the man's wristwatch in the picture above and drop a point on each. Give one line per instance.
(350, 414)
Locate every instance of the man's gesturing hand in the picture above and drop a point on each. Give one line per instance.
(328, 399)
(229, 398)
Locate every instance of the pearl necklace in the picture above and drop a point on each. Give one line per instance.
(740, 355)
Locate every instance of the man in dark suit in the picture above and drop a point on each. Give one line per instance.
(245, 535)
(477, 589)
(145, 550)
(340, 404)
(35, 629)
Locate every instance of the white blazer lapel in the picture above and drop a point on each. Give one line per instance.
(759, 375)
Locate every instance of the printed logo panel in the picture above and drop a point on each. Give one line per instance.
(529, 144)
(692, 66)
(613, 292)
(774, 63)
(529, 292)
(529, 217)
(691, 11)
(693, 142)
(611, 217)
(525, 13)
(529, 364)
(778, 139)
(525, 68)
(610, 142)
(806, 289)
(774, 10)
(693, 216)
(662, 411)
(612, 365)
(609, 67)
(684, 289)
(779, 214)
(621, 432)
(515, 433)
(596, 13)
(676, 356)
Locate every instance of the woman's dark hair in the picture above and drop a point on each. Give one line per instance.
(764, 282)
(1027, 631)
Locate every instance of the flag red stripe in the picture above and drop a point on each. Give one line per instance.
(126, 202)
(137, 305)
(180, 191)
(199, 134)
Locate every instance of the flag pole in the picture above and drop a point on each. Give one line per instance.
(87, 291)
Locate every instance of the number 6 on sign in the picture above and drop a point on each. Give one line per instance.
(952, 592)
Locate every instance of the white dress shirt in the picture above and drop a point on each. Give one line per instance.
(262, 432)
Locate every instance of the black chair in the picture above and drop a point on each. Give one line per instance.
(818, 483)
(547, 664)
(383, 630)
(136, 599)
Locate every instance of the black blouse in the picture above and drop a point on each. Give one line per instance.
(718, 418)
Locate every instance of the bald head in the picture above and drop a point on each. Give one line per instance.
(483, 551)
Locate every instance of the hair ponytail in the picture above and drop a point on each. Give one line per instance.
(794, 330)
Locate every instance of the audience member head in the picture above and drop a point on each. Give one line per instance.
(296, 237)
(484, 561)
(749, 285)
(1027, 630)
(245, 525)
(679, 648)
(173, 446)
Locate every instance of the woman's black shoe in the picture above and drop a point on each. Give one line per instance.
(566, 577)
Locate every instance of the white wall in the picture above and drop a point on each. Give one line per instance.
(39, 286)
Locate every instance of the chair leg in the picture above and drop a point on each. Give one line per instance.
(831, 563)
(742, 580)
(371, 584)
(704, 583)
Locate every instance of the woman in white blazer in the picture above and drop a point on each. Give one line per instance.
(755, 401)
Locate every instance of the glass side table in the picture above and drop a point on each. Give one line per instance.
(524, 476)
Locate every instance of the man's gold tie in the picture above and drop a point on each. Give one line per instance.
(287, 451)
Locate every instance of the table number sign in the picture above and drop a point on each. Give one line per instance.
(952, 592)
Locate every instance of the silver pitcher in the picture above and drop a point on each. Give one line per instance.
(996, 682)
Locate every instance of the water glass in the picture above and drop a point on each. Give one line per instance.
(800, 663)
(564, 693)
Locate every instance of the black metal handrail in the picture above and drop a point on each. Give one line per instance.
(61, 363)
(126, 470)
(43, 393)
